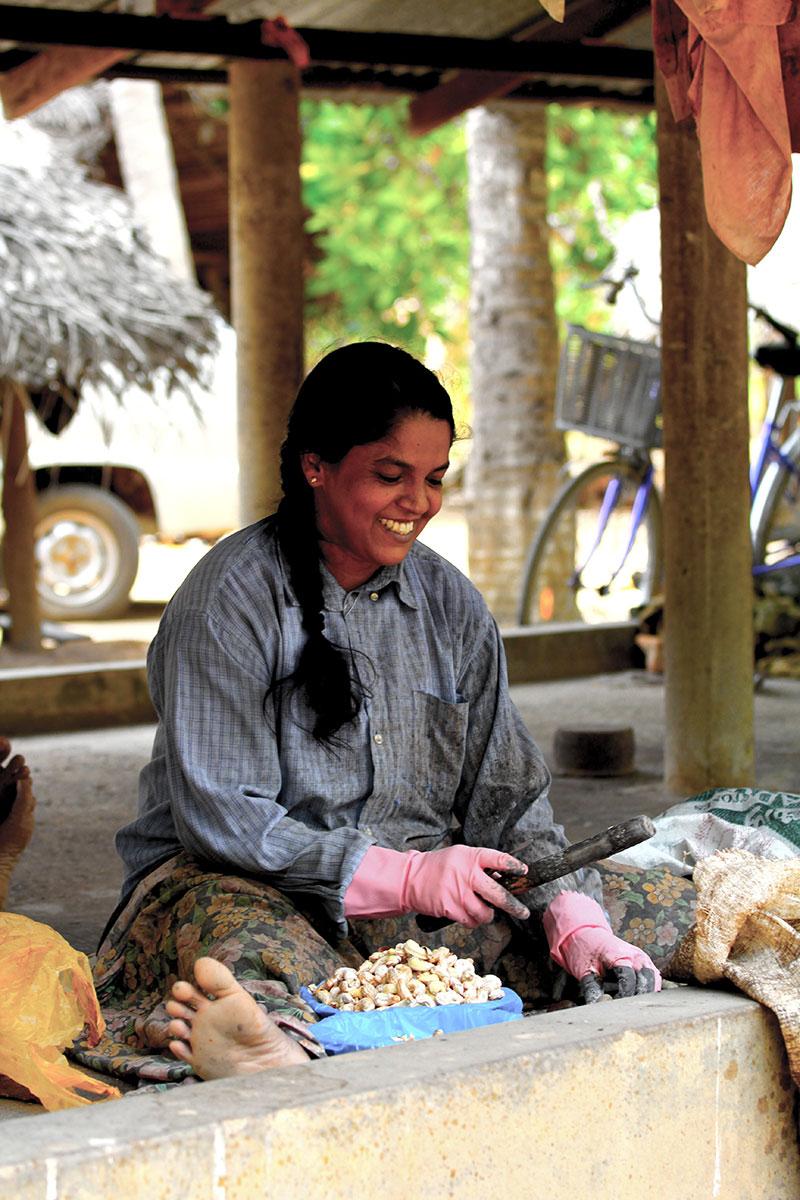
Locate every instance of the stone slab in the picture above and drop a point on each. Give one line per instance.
(681, 1094)
(568, 651)
(91, 696)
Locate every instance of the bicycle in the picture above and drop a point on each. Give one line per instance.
(598, 554)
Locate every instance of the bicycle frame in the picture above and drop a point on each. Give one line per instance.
(607, 507)
(780, 403)
(770, 456)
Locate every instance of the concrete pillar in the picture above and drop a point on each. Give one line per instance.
(708, 585)
(266, 269)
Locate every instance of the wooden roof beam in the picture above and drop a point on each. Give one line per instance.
(367, 83)
(465, 90)
(26, 87)
(216, 36)
(468, 89)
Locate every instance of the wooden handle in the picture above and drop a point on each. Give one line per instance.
(581, 854)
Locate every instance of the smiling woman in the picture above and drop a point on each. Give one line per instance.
(336, 750)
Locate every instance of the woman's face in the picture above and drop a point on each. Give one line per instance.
(376, 502)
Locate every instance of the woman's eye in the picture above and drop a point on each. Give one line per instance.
(388, 478)
(435, 482)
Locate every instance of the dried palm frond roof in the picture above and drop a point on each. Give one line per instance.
(82, 297)
(77, 123)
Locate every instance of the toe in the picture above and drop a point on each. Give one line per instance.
(180, 1029)
(182, 1011)
(187, 994)
(181, 1050)
(214, 977)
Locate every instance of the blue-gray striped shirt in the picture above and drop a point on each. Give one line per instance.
(437, 753)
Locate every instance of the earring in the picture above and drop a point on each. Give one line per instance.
(313, 480)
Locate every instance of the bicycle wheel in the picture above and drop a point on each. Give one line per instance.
(578, 569)
(775, 523)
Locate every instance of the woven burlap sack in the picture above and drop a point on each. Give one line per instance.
(748, 931)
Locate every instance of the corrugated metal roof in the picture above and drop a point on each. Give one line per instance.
(590, 28)
(440, 18)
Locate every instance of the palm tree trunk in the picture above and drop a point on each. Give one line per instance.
(19, 515)
(517, 452)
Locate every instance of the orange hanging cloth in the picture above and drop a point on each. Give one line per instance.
(278, 32)
(731, 64)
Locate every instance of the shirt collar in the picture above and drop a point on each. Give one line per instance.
(333, 594)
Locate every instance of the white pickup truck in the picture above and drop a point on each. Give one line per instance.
(124, 467)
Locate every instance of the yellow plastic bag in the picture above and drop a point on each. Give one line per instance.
(47, 997)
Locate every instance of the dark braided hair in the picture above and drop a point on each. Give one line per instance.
(353, 396)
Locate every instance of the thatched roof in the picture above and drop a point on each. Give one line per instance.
(82, 298)
(77, 124)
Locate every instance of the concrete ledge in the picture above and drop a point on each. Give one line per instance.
(682, 1094)
(568, 651)
(55, 699)
(93, 695)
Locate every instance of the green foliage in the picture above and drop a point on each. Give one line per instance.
(387, 217)
(602, 167)
(389, 223)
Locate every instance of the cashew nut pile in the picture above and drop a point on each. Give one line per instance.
(407, 974)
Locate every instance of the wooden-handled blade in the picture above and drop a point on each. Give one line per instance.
(580, 854)
(591, 849)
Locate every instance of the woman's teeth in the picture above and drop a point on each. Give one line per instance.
(401, 527)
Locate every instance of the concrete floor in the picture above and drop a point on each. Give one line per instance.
(86, 786)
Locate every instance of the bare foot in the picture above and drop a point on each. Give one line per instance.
(16, 813)
(221, 1030)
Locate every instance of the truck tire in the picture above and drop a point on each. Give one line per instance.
(87, 548)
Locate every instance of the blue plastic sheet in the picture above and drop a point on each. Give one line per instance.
(340, 1032)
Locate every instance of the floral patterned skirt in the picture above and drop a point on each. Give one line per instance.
(274, 944)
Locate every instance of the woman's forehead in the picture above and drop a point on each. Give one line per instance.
(419, 429)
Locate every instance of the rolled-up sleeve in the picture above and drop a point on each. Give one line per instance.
(503, 799)
(218, 739)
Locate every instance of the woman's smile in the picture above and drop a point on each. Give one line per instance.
(399, 528)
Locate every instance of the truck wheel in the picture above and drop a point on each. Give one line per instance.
(87, 548)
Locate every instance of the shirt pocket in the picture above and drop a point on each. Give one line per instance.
(440, 730)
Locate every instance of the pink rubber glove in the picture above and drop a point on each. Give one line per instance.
(583, 943)
(450, 883)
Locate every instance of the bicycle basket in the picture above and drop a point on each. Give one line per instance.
(610, 387)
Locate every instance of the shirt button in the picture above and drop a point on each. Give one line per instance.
(378, 739)
(373, 595)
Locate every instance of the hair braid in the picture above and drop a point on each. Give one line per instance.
(323, 673)
(353, 396)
